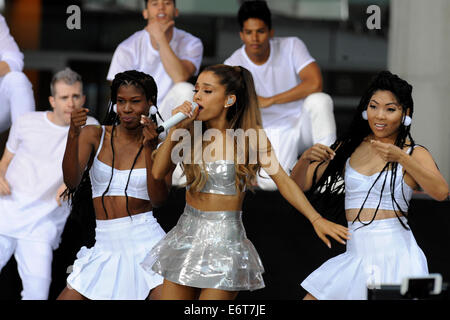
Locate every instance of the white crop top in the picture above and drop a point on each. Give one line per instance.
(100, 174)
(357, 186)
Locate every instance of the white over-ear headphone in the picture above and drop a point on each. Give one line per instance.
(153, 110)
(406, 121)
(364, 115)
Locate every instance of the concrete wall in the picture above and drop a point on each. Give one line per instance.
(419, 51)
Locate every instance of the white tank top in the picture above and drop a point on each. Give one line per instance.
(100, 174)
(357, 186)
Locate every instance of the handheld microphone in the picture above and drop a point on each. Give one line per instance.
(175, 119)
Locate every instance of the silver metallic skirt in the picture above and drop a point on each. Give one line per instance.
(207, 249)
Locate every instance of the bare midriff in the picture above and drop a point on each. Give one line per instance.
(367, 214)
(116, 207)
(215, 202)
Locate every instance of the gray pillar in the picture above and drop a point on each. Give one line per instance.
(419, 52)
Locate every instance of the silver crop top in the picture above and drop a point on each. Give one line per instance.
(357, 185)
(221, 178)
(100, 174)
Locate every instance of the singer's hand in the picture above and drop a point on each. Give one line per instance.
(186, 108)
(150, 137)
(324, 228)
(78, 118)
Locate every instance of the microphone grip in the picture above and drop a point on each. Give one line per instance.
(175, 119)
(171, 122)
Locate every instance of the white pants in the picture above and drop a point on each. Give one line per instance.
(179, 93)
(292, 137)
(34, 262)
(16, 98)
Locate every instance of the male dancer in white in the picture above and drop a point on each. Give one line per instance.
(295, 113)
(32, 214)
(170, 55)
(16, 94)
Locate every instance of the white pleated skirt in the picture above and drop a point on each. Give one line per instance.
(111, 270)
(383, 252)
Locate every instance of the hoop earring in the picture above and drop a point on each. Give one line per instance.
(364, 115)
(406, 121)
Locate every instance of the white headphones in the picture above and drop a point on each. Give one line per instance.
(153, 110)
(364, 115)
(406, 121)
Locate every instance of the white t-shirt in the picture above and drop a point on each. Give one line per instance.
(137, 53)
(34, 175)
(288, 56)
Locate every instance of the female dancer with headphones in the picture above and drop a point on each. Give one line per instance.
(375, 167)
(118, 160)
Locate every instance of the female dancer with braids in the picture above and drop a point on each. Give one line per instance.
(118, 159)
(207, 254)
(378, 165)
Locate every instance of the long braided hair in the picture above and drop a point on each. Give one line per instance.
(147, 84)
(328, 191)
(81, 197)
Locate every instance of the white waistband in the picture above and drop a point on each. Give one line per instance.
(378, 224)
(124, 221)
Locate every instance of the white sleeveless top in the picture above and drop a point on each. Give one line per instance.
(100, 174)
(357, 186)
